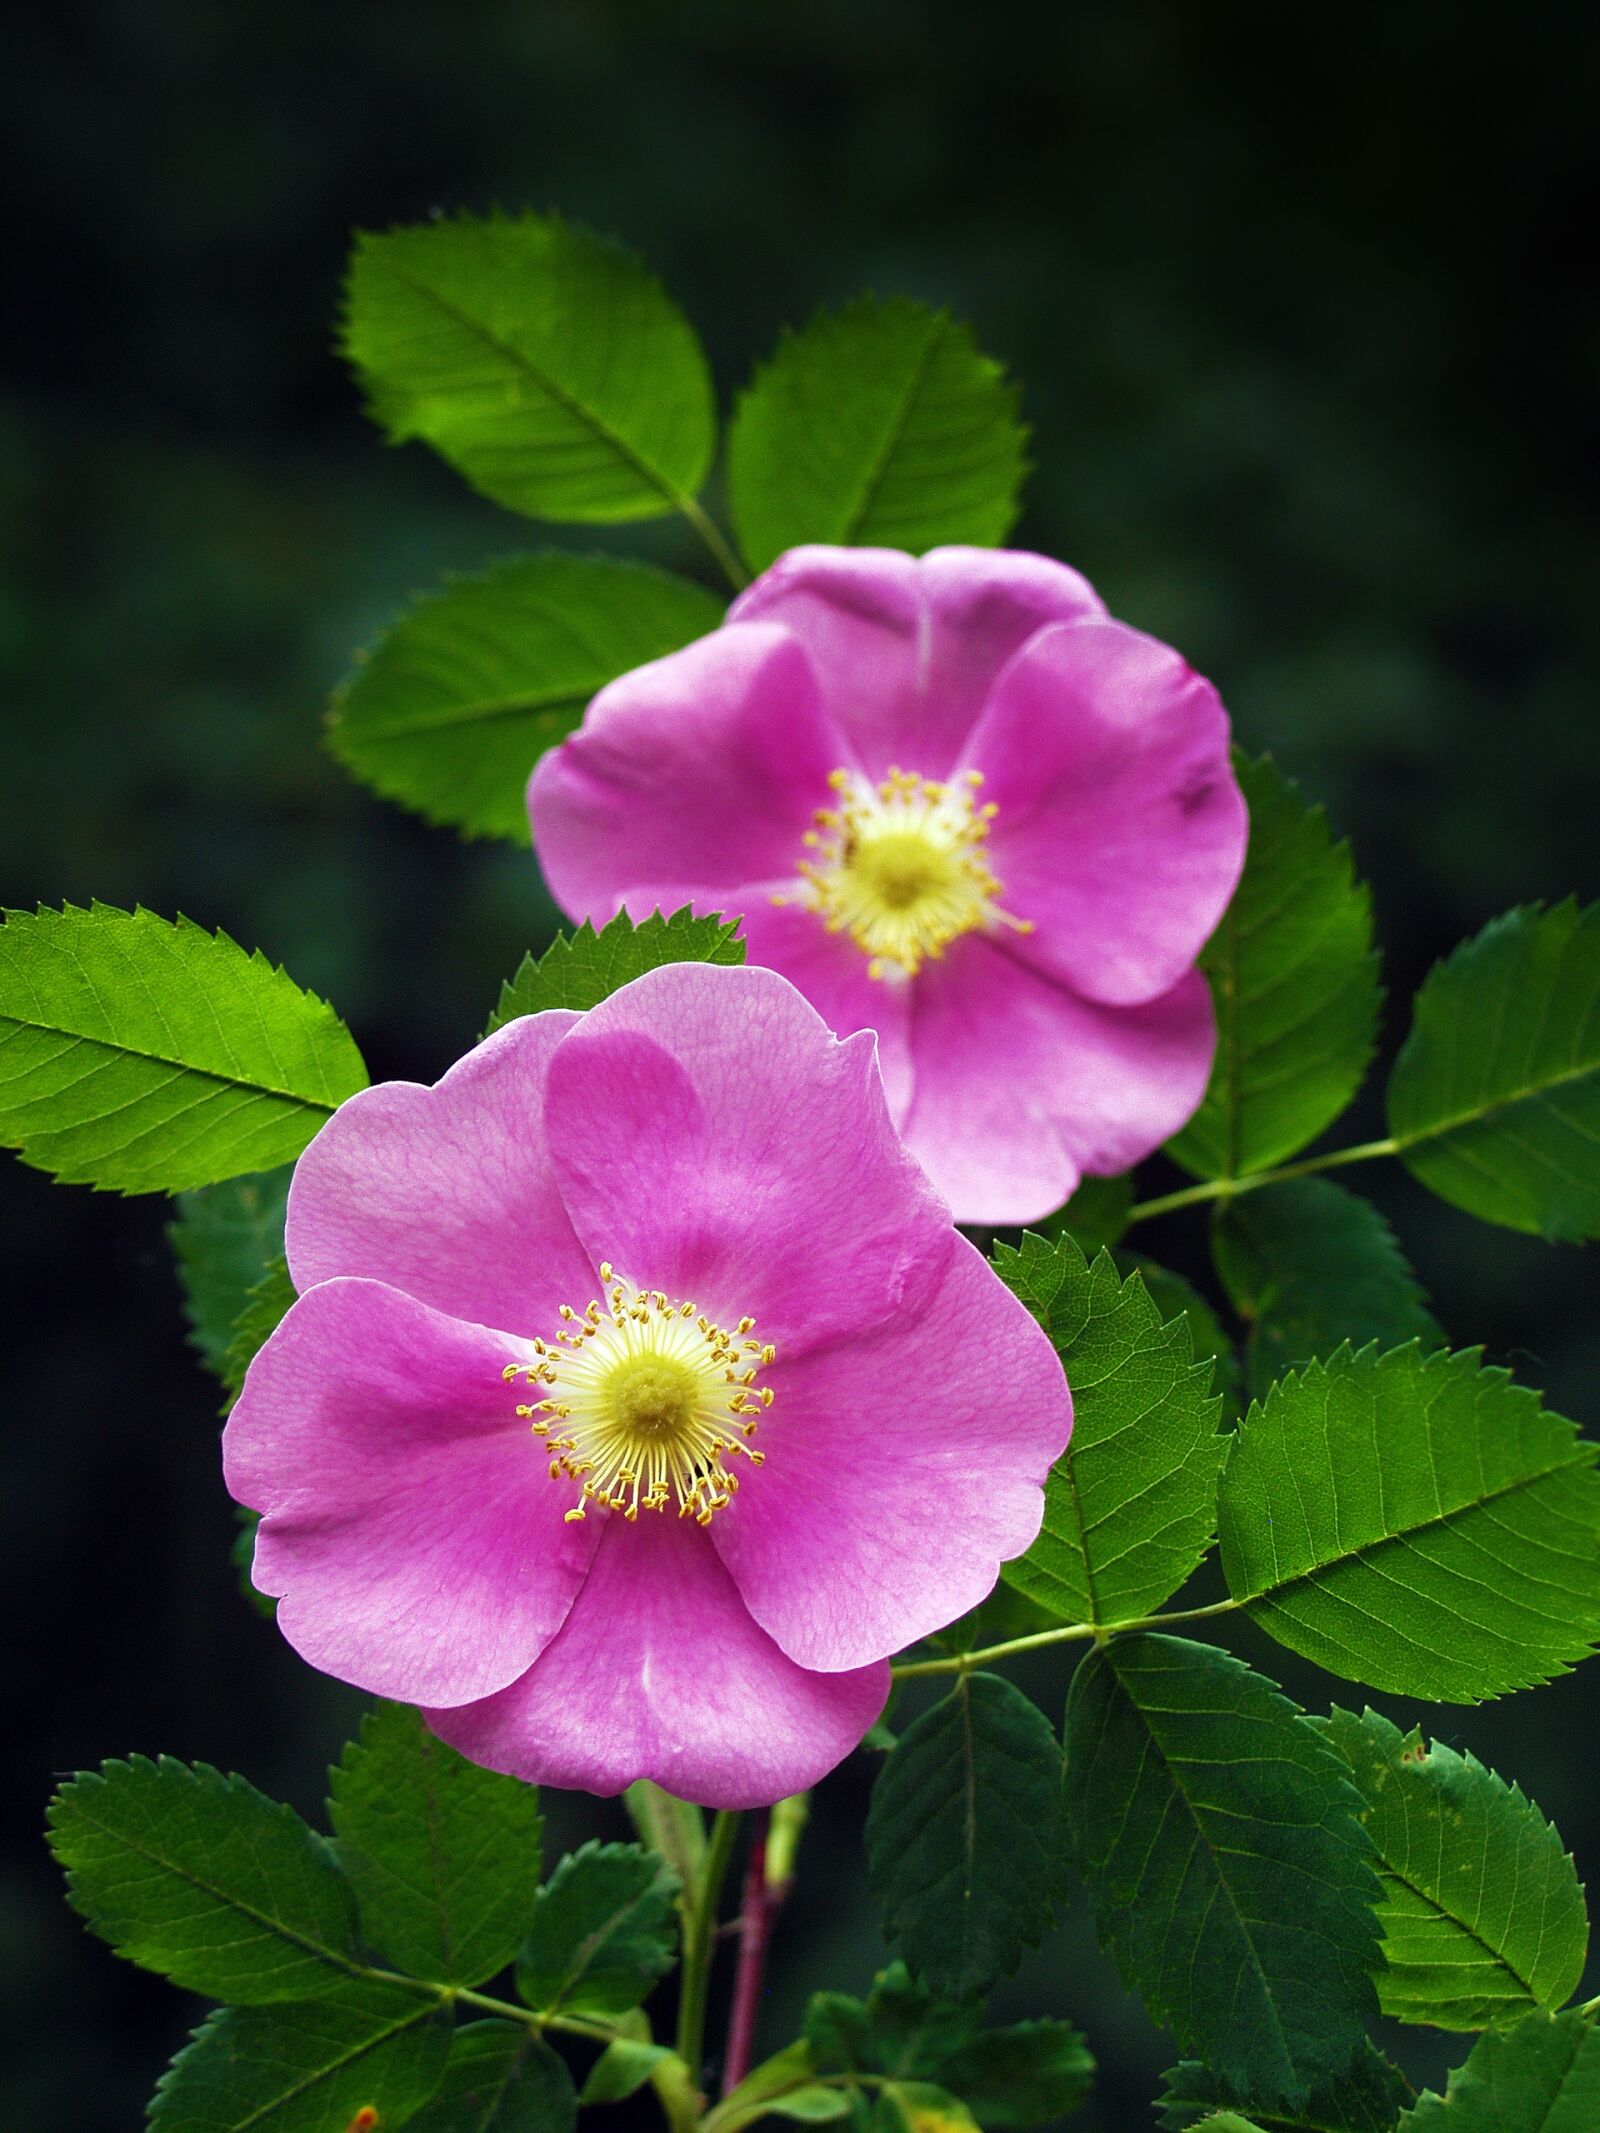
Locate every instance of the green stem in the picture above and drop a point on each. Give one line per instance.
(1069, 1632)
(711, 533)
(698, 1937)
(1230, 1188)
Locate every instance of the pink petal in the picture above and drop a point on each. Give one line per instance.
(660, 1673)
(1020, 1085)
(900, 1472)
(715, 1141)
(446, 1192)
(410, 1528)
(703, 768)
(1120, 829)
(907, 650)
(831, 971)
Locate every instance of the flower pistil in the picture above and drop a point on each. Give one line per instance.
(647, 1399)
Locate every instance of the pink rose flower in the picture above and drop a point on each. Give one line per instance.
(640, 1398)
(955, 803)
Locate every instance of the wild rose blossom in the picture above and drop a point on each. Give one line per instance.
(955, 803)
(640, 1397)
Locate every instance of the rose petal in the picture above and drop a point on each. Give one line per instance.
(900, 1471)
(1119, 829)
(660, 1673)
(907, 651)
(410, 1529)
(831, 970)
(705, 767)
(447, 1192)
(715, 1141)
(1019, 1085)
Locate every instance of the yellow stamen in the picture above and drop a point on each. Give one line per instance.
(901, 868)
(652, 1399)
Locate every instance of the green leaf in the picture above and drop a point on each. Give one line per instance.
(1541, 2077)
(1417, 1523)
(500, 2078)
(1309, 1266)
(1228, 2122)
(920, 2107)
(622, 2068)
(142, 1056)
(1129, 1508)
(265, 1309)
(1022, 2075)
(604, 1929)
(544, 363)
(880, 425)
(1095, 1217)
(453, 706)
(1495, 1098)
(579, 970)
(1482, 1912)
(313, 2068)
(1176, 1297)
(224, 1238)
(204, 1879)
(443, 1856)
(964, 1840)
(758, 2093)
(1365, 2097)
(1295, 980)
(812, 2104)
(1220, 1840)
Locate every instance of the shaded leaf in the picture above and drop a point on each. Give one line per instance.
(604, 1929)
(1417, 1523)
(964, 1839)
(456, 702)
(204, 1879)
(265, 1309)
(544, 363)
(1309, 1266)
(1021, 2075)
(1231, 1877)
(1365, 2097)
(881, 425)
(1096, 1215)
(309, 2068)
(1482, 1914)
(1495, 1098)
(140, 1055)
(224, 1238)
(1295, 980)
(443, 1855)
(1130, 1505)
(580, 969)
(1543, 2076)
(500, 2078)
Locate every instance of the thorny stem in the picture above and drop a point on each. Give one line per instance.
(1069, 1632)
(1230, 1188)
(698, 1938)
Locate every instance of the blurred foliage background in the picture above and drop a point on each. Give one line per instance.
(1311, 376)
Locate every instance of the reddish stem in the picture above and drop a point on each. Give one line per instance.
(758, 1913)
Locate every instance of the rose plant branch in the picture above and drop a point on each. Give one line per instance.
(1067, 1633)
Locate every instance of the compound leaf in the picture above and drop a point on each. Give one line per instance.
(1482, 1913)
(1495, 1098)
(580, 969)
(140, 1055)
(443, 1856)
(964, 1841)
(1130, 1505)
(204, 1879)
(1417, 1523)
(1309, 1266)
(499, 2078)
(544, 363)
(1221, 1842)
(881, 425)
(453, 706)
(1295, 980)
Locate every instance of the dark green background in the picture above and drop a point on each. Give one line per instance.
(1295, 296)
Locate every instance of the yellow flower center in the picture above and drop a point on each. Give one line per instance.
(645, 1401)
(901, 867)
